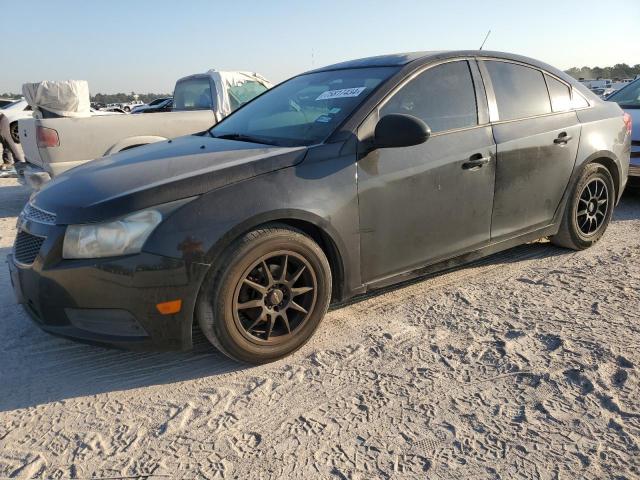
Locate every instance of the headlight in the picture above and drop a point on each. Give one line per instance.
(120, 237)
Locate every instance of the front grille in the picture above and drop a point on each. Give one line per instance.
(634, 171)
(26, 247)
(635, 143)
(37, 215)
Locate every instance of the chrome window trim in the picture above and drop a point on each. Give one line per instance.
(419, 72)
(544, 72)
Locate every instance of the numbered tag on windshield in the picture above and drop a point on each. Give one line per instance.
(342, 93)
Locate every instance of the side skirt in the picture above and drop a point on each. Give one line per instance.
(450, 264)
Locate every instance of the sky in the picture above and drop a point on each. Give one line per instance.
(146, 45)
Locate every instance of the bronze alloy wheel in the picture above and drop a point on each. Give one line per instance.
(274, 297)
(266, 295)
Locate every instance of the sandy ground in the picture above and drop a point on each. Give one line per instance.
(525, 365)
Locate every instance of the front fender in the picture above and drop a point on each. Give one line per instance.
(322, 194)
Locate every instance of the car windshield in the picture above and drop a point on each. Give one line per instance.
(304, 110)
(8, 106)
(628, 96)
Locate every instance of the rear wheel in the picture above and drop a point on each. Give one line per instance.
(267, 296)
(588, 210)
(13, 130)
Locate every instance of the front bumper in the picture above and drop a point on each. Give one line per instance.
(108, 301)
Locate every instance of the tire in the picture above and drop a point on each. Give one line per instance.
(127, 109)
(247, 311)
(15, 134)
(586, 218)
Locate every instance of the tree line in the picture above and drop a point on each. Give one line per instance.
(619, 71)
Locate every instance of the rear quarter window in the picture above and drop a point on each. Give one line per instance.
(520, 91)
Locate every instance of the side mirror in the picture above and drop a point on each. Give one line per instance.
(400, 130)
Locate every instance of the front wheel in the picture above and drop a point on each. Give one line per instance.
(267, 295)
(588, 210)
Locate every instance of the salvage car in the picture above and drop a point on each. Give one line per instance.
(54, 145)
(15, 111)
(339, 181)
(629, 99)
(155, 106)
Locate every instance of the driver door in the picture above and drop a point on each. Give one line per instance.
(433, 201)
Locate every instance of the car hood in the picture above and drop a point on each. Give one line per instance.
(155, 174)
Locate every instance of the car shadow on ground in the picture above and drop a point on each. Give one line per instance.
(629, 206)
(39, 368)
(12, 200)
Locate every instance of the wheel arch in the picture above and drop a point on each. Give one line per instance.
(613, 168)
(313, 226)
(603, 157)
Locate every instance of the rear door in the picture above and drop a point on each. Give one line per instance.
(537, 137)
(428, 202)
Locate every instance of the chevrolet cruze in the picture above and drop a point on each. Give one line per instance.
(336, 182)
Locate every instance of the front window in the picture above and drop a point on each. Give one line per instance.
(628, 96)
(443, 96)
(304, 110)
(193, 94)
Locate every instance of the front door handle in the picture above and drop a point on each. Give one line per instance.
(476, 162)
(562, 139)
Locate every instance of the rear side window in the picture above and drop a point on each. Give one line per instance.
(442, 96)
(520, 91)
(560, 94)
(193, 94)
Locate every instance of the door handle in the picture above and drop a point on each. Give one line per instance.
(562, 139)
(476, 162)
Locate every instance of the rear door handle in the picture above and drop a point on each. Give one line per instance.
(476, 162)
(562, 139)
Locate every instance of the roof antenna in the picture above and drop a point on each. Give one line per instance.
(485, 39)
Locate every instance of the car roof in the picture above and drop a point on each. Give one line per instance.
(420, 58)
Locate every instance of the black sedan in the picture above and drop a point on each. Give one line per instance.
(336, 182)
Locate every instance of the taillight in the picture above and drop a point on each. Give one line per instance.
(628, 122)
(47, 137)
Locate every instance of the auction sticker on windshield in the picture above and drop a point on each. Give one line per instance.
(342, 93)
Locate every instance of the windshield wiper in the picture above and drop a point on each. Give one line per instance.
(241, 137)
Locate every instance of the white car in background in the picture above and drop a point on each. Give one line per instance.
(15, 111)
(128, 106)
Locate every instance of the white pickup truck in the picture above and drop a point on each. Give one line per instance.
(54, 145)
